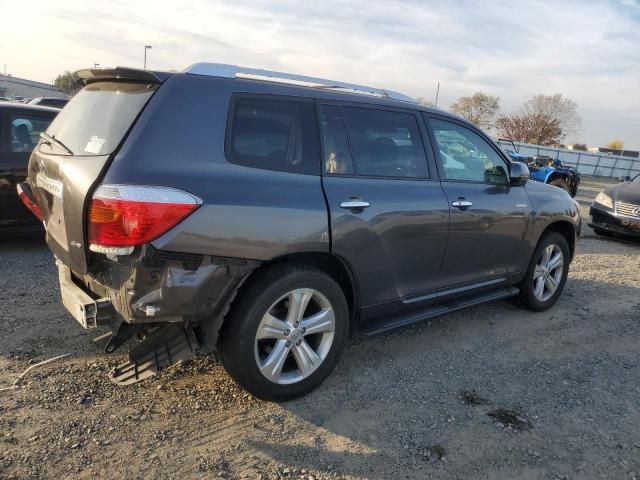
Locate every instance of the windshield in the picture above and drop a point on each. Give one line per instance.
(96, 118)
(636, 179)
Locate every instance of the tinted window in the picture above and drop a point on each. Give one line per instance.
(274, 134)
(337, 157)
(384, 143)
(96, 119)
(467, 156)
(25, 131)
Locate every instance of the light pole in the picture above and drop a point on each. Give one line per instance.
(146, 47)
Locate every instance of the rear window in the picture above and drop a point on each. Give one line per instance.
(274, 134)
(96, 119)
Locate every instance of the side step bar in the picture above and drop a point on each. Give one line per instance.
(169, 345)
(414, 317)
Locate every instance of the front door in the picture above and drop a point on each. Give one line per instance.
(389, 218)
(490, 219)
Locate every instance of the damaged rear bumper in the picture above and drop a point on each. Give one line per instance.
(175, 302)
(153, 286)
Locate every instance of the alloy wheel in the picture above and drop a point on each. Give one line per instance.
(294, 336)
(548, 272)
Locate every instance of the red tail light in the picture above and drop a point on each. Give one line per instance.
(30, 204)
(130, 215)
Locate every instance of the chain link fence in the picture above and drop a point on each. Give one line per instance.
(587, 163)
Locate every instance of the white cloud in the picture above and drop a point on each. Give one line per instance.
(586, 50)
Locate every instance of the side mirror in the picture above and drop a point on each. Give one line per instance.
(518, 174)
(625, 178)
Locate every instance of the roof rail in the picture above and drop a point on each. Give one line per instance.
(233, 71)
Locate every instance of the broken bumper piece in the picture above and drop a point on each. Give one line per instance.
(164, 347)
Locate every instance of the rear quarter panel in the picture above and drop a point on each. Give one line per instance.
(247, 212)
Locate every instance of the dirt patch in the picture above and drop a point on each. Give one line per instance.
(511, 419)
(471, 397)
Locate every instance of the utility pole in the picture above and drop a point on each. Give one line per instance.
(146, 47)
(437, 93)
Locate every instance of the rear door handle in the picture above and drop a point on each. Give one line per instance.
(354, 204)
(461, 203)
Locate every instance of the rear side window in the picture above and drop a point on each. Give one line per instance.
(337, 157)
(385, 143)
(274, 134)
(96, 119)
(25, 131)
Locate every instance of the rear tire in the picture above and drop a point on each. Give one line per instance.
(560, 183)
(545, 280)
(266, 343)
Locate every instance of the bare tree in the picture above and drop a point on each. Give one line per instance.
(479, 108)
(543, 120)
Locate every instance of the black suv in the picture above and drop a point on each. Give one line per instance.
(270, 213)
(20, 128)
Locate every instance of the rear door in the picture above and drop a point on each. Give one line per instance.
(19, 133)
(389, 219)
(63, 170)
(490, 218)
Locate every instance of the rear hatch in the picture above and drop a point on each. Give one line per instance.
(76, 149)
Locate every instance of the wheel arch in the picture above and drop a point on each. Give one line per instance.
(334, 266)
(564, 228)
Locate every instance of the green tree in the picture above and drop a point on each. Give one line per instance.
(66, 83)
(479, 108)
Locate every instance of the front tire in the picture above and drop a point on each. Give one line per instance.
(547, 273)
(560, 183)
(285, 332)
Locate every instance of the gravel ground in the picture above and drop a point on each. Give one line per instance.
(490, 392)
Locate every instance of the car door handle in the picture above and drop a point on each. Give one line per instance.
(461, 203)
(354, 204)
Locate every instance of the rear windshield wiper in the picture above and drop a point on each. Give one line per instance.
(51, 139)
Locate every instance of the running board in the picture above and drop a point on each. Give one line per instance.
(378, 327)
(164, 347)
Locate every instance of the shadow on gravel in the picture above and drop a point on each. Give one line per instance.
(22, 241)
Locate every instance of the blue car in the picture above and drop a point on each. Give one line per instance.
(545, 169)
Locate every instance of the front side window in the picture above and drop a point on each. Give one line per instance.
(385, 143)
(466, 156)
(25, 131)
(274, 134)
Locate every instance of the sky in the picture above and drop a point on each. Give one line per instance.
(589, 51)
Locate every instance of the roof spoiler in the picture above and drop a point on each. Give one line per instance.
(90, 75)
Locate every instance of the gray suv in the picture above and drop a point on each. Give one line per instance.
(270, 214)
